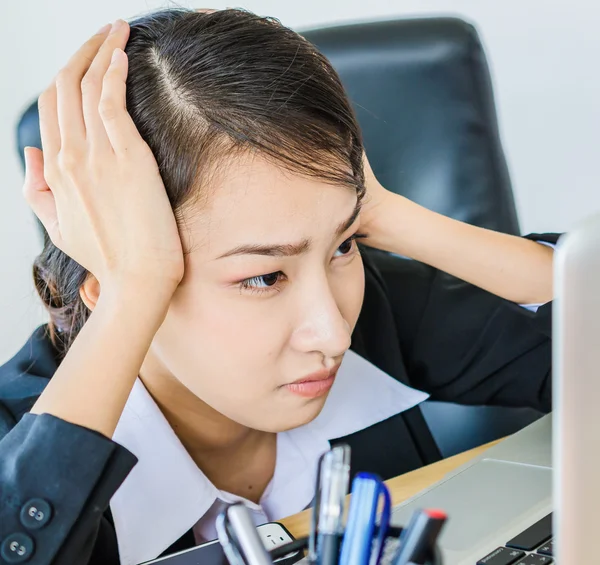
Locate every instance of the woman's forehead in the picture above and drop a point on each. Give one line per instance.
(254, 198)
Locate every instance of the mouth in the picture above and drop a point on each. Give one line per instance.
(314, 385)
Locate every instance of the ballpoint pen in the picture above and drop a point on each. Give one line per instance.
(357, 546)
(418, 540)
(333, 475)
(238, 537)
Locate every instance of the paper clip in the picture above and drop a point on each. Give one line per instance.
(239, 538)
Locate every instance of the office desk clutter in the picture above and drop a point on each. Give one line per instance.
(365, 540)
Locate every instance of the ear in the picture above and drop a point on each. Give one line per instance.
(90, 291)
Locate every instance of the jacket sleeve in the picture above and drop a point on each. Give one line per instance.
(465, 345)
(56, 481)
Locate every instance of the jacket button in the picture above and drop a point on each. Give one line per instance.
(35, 514)
(17, 548)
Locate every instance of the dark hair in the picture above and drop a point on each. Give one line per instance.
(206, 86)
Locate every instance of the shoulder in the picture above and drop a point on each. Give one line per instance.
(25, 376)
(396, 291)
(385, 272)
(396, 288)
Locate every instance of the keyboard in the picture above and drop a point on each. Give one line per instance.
(534, 546)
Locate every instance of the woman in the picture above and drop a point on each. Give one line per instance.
(204, 285)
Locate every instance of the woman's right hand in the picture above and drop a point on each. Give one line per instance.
(96, 186)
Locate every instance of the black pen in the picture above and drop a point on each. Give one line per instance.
(417, 542)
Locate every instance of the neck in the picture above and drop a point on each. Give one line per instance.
(235, 458)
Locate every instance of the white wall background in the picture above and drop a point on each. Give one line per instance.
(543, 56)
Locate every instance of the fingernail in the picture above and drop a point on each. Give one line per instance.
(116, 26)
(26, 156)
(103, 29)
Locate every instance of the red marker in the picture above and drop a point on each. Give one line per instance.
(418, 540)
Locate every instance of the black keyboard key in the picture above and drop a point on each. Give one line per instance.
(502, 556)
(547, 548)
(534, 559)
(533, 536)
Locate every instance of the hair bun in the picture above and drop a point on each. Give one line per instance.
(67, 311)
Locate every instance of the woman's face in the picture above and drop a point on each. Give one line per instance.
(273, 287)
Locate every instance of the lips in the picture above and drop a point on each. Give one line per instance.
(314, 385)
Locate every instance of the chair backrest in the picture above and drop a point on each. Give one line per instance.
(422, 92)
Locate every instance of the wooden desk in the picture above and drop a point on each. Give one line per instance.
(401, 487)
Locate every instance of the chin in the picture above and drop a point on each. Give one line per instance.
(297, 417)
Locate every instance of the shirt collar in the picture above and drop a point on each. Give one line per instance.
(166, 493)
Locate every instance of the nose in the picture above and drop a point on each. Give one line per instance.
(322, 327)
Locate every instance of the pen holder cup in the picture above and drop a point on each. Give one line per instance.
(391, 545)
(283, 557)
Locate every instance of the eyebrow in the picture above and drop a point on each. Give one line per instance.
(288, 249)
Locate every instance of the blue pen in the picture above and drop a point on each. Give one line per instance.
(357, 545)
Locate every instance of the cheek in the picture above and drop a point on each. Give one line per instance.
(230, 350)
(221, 345)
(349, 290)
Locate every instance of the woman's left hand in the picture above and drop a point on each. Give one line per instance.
(376, 200)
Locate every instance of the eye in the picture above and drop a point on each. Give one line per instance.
(262, 283)
(348, 245)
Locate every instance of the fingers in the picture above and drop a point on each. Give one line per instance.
(49, 130)
(92, 83)
(87, 101)
(38, 195)
(119, 126)
(68, 89)
(368, 171)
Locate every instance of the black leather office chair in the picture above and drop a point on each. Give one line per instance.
(422, 92)
(423, 96)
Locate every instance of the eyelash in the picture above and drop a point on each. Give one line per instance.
(246, 284)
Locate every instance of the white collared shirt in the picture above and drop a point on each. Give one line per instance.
(166, 494)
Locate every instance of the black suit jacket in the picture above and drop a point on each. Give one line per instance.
(423, 327)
